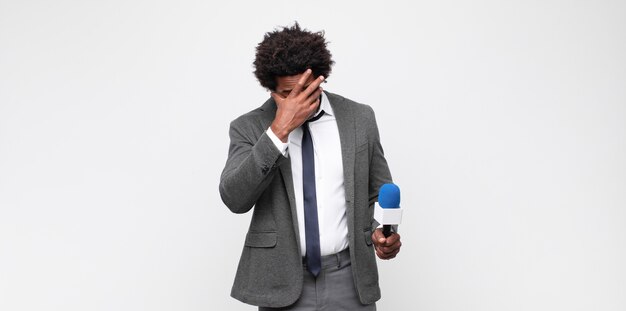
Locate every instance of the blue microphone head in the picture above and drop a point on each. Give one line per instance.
(389, 196)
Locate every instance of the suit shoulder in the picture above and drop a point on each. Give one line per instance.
(358, 109)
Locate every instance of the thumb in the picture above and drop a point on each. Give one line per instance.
(378, 236)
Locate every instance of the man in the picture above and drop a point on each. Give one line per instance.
(310, 163)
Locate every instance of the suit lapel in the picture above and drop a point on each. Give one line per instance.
(347, 136)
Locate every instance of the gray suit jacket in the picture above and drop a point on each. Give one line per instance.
(258, 175)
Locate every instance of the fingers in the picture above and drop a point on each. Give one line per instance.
(378, 237)
(386, 248)
(389, 249)
(277, 98)
(300, 84)
(315, 96)
(386, 256)
(314, 86)
(392, 239)
(314, 102)
(388, 252)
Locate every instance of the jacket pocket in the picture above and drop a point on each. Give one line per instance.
(261, 239)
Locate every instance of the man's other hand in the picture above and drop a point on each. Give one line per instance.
(386, 248)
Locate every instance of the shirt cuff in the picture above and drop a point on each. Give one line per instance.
(282, 147)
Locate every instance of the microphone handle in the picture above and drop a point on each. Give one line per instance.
(387, 230)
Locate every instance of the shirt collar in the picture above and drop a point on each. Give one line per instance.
(325, 105)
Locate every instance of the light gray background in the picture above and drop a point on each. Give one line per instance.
(503, 123)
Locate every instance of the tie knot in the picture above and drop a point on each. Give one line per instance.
(315, 118)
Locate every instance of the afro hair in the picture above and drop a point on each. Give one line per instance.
(290, 51)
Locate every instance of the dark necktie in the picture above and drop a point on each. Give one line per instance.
(311, 225)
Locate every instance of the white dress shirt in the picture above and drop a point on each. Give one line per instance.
(331, 195)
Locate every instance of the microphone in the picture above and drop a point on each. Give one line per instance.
(387, 210)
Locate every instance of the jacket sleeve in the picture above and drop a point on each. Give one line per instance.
(252, 162)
